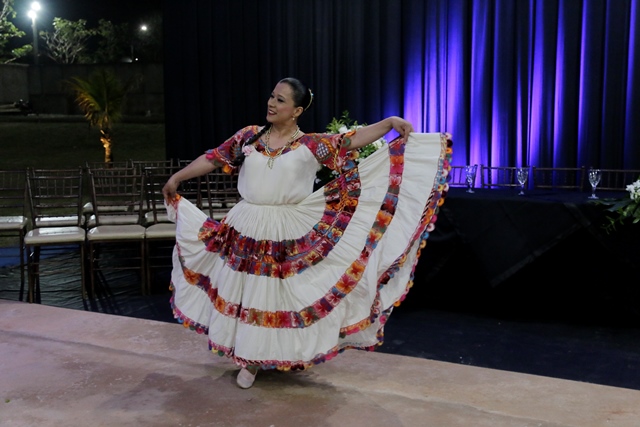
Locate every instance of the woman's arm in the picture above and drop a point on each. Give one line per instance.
(198, 167)
(366, 135)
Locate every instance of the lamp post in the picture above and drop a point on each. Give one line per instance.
(33, 14)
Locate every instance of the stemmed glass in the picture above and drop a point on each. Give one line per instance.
(594, 180)
(470, 176)
(522, 174)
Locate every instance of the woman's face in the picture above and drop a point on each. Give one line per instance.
(280, 107)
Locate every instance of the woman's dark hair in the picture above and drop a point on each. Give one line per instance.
(239, 155)
(302, 97)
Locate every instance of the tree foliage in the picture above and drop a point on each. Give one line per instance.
(68, 41)
(101, 98)
(8, 32)
(73, 42)
(113, 42)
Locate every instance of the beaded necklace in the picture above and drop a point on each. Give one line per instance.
(279, 151)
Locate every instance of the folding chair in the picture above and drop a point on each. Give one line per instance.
(13, 216)
(118, 197)
(55, 199)
(558, 178)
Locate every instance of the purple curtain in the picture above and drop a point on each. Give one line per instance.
(526, 82)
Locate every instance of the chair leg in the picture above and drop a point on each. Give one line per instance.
(143, 275)
(92, 272)
(147, 266)
(33, 273)
(30, 276)
(22, 263)
(82, 271)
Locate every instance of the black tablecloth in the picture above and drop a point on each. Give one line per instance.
(541, 246)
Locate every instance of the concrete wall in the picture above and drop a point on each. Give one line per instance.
(14, 83)
(44, 86)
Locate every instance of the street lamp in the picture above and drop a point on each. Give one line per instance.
(33, 14)
(143, 29)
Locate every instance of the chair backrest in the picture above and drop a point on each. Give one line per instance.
(498, 177)
(125, 164)
(141, 165)
(617, 179)
(13, 192)
(457, 177)
(220, 193)
(156, 178)
(117, 195)
(55, 197)
(559, 178)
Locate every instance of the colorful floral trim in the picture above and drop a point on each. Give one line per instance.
(219, 237)
(229, 150)
(282, 259)
(427, 224)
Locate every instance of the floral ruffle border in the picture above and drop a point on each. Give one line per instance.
(429, 217)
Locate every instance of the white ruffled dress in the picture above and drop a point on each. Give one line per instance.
(290, 277)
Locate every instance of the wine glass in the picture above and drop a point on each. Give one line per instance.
(522, 174)
(594, 180)
(470, 176)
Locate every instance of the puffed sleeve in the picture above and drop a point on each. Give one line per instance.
(227, 152)
(330, 149)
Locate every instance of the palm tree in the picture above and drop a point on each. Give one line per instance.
(101, 99)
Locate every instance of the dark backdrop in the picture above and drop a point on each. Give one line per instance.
(527, 82)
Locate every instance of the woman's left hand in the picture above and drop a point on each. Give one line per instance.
(402, 126)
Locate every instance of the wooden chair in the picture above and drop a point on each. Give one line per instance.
(498, 177)
(458, 176)
(160, 232)
(141, 165)
(125, 164)
(113, 209)
(220, 193)
(87, 209)
(572, 178)
(55, 199)
(156, 177)
(115, 233)
(13, 215)
(617, 179)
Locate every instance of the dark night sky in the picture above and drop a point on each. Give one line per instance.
(116, 11)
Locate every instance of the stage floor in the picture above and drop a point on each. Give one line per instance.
(514, 332)
(64, 367)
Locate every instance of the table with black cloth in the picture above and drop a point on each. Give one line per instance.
(545, 253)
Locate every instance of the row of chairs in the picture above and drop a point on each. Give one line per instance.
(569, 178)
(49, 210)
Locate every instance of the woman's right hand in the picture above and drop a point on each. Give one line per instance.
(169, 189)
